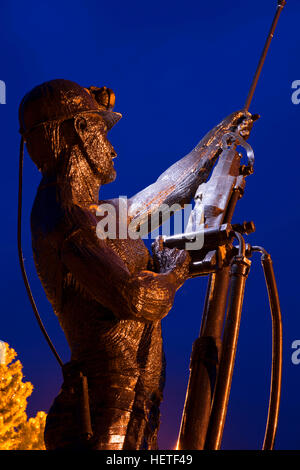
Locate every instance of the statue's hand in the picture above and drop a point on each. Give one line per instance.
(150, 294)
(171, 260)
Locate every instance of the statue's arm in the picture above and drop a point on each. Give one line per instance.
(178, 184)
(146, 295)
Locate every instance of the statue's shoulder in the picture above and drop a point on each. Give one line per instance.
(53, 222)
(47, 215)
(120, 206)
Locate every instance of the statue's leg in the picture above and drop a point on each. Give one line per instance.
(62, 427)
(121, 419)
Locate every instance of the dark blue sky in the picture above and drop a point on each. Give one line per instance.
(177, 69)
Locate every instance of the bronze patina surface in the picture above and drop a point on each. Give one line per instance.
(110, 295)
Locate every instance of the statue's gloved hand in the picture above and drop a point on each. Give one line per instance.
(171, 260)
(151, 294)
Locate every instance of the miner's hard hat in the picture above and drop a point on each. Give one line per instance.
(60, 100)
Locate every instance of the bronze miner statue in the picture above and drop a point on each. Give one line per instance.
(110, 294)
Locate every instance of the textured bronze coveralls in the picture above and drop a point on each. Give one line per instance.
(109, 295)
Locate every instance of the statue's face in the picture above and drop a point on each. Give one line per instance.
(100, 153)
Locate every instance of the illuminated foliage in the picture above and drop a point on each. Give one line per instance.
(16, 432)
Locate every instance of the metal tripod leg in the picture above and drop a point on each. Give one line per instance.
(204, 365)
(239, 273)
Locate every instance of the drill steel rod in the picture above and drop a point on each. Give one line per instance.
(279, 9)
